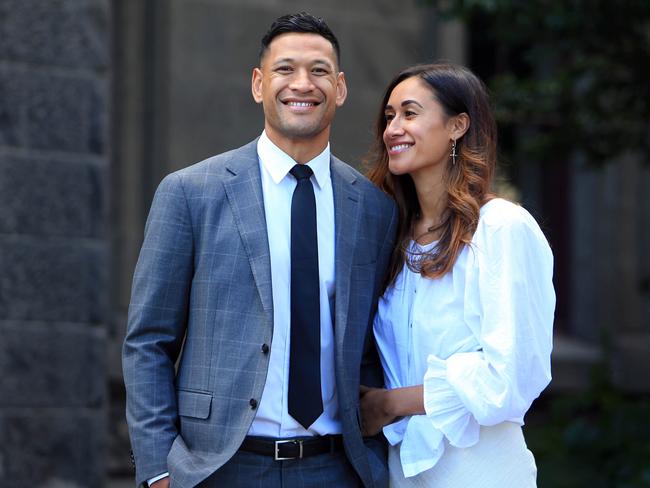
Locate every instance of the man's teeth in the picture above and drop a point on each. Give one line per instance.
(301, 104)
(400, 147)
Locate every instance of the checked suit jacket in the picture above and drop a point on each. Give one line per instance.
(201, 310)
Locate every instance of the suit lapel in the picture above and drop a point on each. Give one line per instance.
(347, 204)
(244, 191)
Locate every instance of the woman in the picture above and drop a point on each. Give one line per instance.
(464, 328)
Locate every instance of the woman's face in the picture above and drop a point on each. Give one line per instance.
(418, 132)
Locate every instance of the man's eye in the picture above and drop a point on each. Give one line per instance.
(320, 71)
(283, 69)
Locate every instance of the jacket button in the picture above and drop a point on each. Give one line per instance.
(265, 348)
(253, 403)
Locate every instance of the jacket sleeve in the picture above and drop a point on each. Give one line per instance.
(157, 322)
(371, 371)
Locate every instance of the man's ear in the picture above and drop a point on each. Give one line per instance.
(341, 89)
(256, 85)
(459, 124)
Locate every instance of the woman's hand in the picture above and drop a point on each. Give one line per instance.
(381, 407)
(375, 409)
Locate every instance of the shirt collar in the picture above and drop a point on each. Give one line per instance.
(278, 163)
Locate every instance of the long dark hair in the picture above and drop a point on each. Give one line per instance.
(468, 181)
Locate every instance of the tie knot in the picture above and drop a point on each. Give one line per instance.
(301, 171)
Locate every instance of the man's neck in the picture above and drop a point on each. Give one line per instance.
(301, 150)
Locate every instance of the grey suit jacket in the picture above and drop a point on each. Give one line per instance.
(202, 296)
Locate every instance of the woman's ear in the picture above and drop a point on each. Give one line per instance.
(458, 125)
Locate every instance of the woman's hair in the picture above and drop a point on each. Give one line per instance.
(468, 181)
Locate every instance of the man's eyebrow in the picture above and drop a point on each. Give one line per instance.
(326, 62)
(283, 60)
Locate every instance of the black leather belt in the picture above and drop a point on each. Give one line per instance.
(281, 449)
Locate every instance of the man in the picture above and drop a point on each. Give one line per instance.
(263, 265)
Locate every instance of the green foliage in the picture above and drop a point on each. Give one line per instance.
(567, 75)
(599, 439)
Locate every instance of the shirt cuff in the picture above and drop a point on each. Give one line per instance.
(445, 409)
(151, 481)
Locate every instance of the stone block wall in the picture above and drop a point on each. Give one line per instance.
(54, 153)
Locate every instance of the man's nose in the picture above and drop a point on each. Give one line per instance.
(301, 81)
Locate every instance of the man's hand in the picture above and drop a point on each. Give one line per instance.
(375, 410)
(161, 483)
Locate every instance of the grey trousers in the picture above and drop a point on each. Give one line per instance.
(250, 470)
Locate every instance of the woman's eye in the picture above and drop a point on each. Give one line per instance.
(389, 117)
(409, 113)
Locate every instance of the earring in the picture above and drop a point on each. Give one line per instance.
(453, 152)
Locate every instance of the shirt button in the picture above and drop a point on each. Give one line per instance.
(265, 348)
(253, 403)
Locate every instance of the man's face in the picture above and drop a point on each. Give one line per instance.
(299, 86)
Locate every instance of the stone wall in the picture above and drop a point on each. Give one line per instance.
(54, 108)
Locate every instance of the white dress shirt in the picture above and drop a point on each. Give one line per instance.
(479, 339)
(272, 418)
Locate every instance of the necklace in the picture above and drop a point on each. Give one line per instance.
(429, 230)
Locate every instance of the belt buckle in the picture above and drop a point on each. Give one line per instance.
(277, 449)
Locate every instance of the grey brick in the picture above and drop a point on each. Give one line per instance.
(10, 113)
(53, 111)
(52, 280)
(64, 113)
(51, 365)
(97, 119)
(65, 33)
(52, 447)
(51, 198)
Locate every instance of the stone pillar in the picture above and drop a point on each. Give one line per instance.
(54, 88)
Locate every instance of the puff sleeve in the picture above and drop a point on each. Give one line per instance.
(509, 307)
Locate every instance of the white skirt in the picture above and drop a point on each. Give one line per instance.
(500, 459)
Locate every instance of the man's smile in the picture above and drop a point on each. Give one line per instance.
(298, 106)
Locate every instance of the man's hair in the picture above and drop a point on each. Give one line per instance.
(302, 22)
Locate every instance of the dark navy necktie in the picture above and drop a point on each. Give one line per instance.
(305, 399)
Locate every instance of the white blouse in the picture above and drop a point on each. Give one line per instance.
(479, 339)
